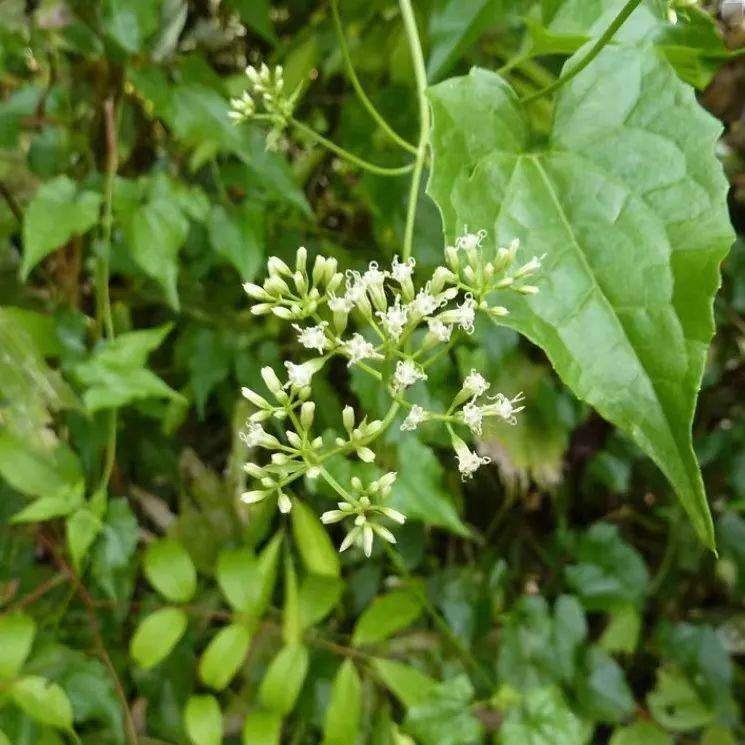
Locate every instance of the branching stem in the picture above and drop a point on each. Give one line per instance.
(351, 157)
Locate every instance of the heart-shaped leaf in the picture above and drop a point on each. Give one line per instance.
(627, 201)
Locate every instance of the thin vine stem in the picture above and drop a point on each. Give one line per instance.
(608, 34)
(359, 90)
(103, 270)
(420, 73)
(351, 157)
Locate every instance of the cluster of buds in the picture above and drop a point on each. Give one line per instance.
(265, 100)
(481, 272)
(362, 510)
(381, 322)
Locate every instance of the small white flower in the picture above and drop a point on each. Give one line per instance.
(299, 376)
(472, 417)
(339, 304)
(402, 271)
(441, 331)
(394, 319)
(469, 241)
(356, 288)
(425, 304)
(531, 267)
(373, 277)
(465, 315)
(505, 407)
(470, 462)
(475, 384)
(253, 435)
(413, 419)
(313, 337)
(357, 349)
(407, 374)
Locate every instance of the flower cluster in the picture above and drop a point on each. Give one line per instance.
(392, 329)
(265, 100)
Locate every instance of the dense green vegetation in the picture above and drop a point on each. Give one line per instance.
(541, 474)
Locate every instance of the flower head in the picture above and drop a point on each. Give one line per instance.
(470, 241)
(506, 407)
(469, 462)
(441, 331)
(358, 348)
(472, 416)
(407, 374)
(313, 337)
(475, 384)
(466, 314)
(394, 319)
(402, 271)
(298, 376)
(424, 304)
(413, 419)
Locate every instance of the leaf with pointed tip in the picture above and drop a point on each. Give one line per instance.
(627, 201)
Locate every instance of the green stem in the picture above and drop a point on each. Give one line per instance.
(609, 33)
(351, 157)
(437, 619)
(420, 72)
(359, 90)
(102, 271)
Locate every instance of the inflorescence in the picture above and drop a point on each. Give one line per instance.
(381, 322)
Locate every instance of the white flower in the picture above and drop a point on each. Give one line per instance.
(531, 267)
(475, 384)
(505, 407)
(407, 374)
(465, 315)
(402, 271)
(469, 241)
(469, 462)
(472, 416)
(394, 319)
(313, 337)
(441, 331)
(356, 288)
(339, 304)
(373, 277)
(253, 435)
(425, 304)
(357, 349)
(413, 419)
(299, 376)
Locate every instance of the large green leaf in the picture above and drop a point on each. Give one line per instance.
(627, 201)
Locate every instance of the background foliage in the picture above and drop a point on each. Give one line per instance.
(139, 600)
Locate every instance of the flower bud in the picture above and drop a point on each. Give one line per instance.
(256, 291)
(347, 417)
(319, 270)
(272, 381)
(300, 282)
(276, 286)
(261, 309)
(255, 398)
(254, 470)
(307, 411)
(365, 455)
(294, 439)
(451, 257)
(284, 313)
(284, 503)
(275, 266)
(301, 258)
(252, 497)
